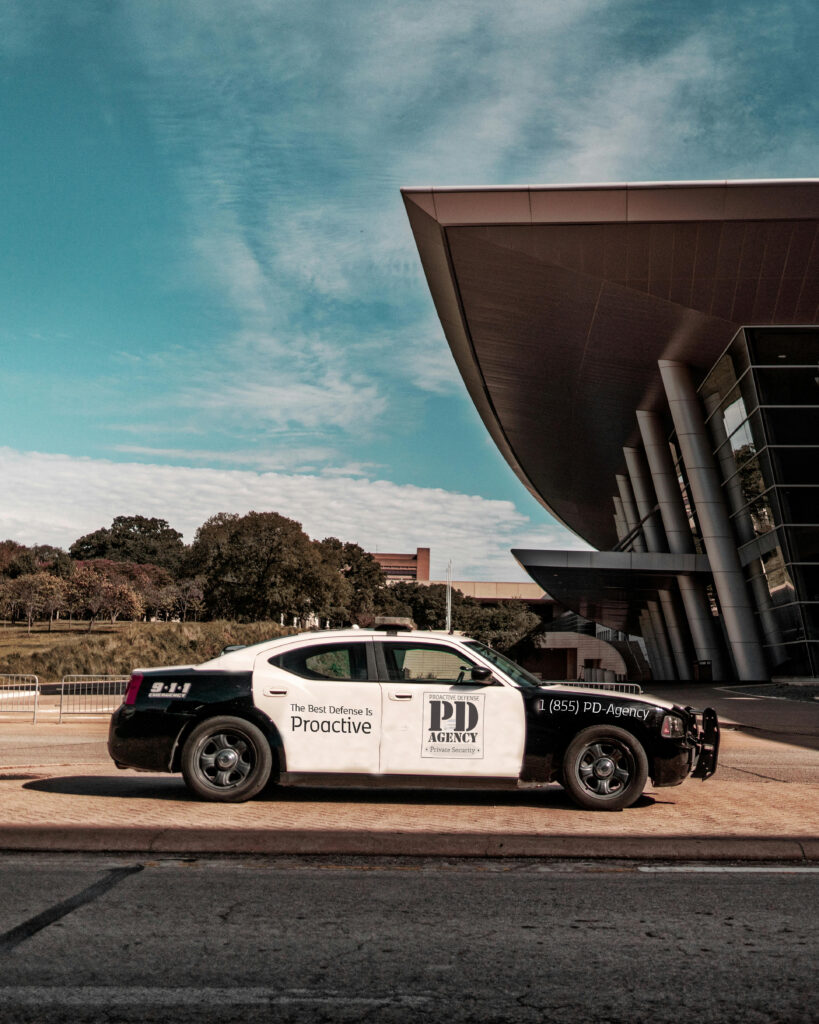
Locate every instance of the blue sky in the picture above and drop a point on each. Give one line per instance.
(211, 300)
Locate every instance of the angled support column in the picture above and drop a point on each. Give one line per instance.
(655, 541)
(661, 641)
(630, 511)
(676, 638)
(619, 519)
(701, 624)
(640, 479)
(715, 526)
(647, 631)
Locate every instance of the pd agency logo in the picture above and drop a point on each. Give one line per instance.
(453, 725)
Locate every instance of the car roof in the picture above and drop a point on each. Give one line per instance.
(245, 656)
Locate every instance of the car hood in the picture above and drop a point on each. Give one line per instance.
(592, 691)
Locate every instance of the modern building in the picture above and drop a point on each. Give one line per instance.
(414, 567)
(646, 357)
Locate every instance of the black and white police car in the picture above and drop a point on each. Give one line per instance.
(400, 707)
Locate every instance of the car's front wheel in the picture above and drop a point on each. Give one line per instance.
(605, 768)
(226, 759)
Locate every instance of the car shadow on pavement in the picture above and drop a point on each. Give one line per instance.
(122, 787)
(173, 789)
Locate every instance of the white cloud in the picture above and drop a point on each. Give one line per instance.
(619, 122)
(56, 498)
(304, 458)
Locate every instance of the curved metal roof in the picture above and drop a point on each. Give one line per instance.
(557, 302)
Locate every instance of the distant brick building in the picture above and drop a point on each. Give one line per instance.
(400, 568)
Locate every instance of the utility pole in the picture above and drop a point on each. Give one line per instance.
(449, 597)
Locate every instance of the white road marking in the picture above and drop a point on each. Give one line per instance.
(755, 869)
(119, 996)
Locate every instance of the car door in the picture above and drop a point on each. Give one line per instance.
(325, 702)
(435, 720)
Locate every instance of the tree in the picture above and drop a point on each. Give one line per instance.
(133, 539)
(9, 551)
(22, 564)
(32, 591)
(362, 581)
(190, 597)
(92, 545)
(121, 599)
(259, 566)
(53, 560)
(87, 592)
(426, 603)
(9, 600)
(53, 592)
(499, 626)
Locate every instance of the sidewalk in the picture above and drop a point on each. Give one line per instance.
(763, 804)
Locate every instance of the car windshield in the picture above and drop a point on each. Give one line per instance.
(506, 665)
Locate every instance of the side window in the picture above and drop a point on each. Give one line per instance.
(418, 663)
(326, 661)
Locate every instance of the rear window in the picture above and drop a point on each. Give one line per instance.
(333, 662)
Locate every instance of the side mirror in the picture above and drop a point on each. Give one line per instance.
(481, 675)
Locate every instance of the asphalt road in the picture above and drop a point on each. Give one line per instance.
(84, 939)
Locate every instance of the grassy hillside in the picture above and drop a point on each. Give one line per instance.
(114, 648)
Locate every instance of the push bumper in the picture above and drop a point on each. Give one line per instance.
(708, 744)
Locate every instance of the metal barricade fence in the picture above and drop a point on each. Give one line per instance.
(19, 694)
(633, 688)
(91, 695)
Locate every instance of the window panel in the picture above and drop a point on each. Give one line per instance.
(780, 347)
(798, 465)
(421, 663)
(803, 542)
(789, 620)
(810, 613)
(799, 504)
(796, 385)
(326, 661)
(791, 426)
(806, 578)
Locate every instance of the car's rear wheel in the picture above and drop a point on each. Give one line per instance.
(605, 768)
(226, 759)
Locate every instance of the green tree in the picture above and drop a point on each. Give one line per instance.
(499, 626)
(426, 604)
(190, 597)
(9, 552)
(259, 566)
(361, 582)
(133, 539)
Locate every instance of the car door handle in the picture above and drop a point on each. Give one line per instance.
(400, 696)
(269, 692)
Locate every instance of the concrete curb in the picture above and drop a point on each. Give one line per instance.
(412, 844)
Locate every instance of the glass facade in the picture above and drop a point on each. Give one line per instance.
(762, 405)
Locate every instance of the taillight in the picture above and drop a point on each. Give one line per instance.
(134, 684)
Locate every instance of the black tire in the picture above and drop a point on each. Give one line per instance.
(605, 768)
(226, 759)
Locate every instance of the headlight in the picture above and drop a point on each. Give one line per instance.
(673, 727)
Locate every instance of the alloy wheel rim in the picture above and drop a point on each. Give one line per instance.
(605, 768)
(226, 759)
